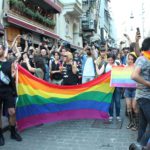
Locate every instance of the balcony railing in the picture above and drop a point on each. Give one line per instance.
(88, 2)
(89, 25)
(27, 10)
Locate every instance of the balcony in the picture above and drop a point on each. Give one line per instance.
(89, 25)
(28, 24)
(73, 9)
(48, 5)
(40, 11)
(88, 2)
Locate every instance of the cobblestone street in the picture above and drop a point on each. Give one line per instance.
(72, 135)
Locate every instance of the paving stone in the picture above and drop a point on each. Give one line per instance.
(72, 135)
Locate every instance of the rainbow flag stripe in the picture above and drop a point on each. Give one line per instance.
(146, 54)
(42, 102)
(121, 77)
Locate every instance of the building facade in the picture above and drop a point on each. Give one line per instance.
(1, 26)
(90, 20)
(68, 22)
(107, 24)
(37, 19)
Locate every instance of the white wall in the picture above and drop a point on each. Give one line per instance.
(1, 13)
(70, 1)
(61, 27)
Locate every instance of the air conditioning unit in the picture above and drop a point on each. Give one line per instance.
(85, 2)
(91, 24)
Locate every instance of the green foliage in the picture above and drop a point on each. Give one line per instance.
(13, 2)
(29, 12)
(20, 6)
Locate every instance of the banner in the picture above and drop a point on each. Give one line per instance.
(40, 102)
(121, 77)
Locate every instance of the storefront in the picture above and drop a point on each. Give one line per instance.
(19, 26)
(1, 29)
(1, 33)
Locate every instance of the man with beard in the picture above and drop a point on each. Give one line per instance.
(89, 67)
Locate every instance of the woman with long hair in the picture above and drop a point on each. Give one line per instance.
(39, 67)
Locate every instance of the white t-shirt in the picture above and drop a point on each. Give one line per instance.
(89, 70)
(109, 67)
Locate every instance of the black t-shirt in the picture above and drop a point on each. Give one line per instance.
(10, 88)
(55, 67)
(46, 60)
(68, 77)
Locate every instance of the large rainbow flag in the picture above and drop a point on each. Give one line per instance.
(41, 102)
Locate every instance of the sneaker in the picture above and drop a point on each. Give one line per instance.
(134, 128)
(118, 118)
(130, 125)
(136, 146)
(110, 119)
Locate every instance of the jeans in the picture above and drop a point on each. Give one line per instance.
(46, 75)
(129, 93)
(115, 101)
(144, 121)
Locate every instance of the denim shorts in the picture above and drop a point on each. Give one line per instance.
(129, 92)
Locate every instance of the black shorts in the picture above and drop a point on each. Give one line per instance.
(7, 101)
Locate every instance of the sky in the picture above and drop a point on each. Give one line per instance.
(122, 10)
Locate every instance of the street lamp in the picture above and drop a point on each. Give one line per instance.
(131, 17)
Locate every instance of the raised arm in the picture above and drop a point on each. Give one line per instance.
(6, 49)
(14, 41)
(74, 68)
(128, 38)
(30, 68)
(137, 45)
(18, 53)
(101, 70)
(26, 46)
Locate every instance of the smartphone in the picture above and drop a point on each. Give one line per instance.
(138, 31)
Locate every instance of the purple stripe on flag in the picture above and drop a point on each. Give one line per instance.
(59, 116)
(123, 85)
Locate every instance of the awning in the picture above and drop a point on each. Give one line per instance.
(76, 47)
(31, 27)
(94, 38)
(52, 4)
(72, 45)
(1, 29)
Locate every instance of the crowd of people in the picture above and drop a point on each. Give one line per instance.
(60, 65)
